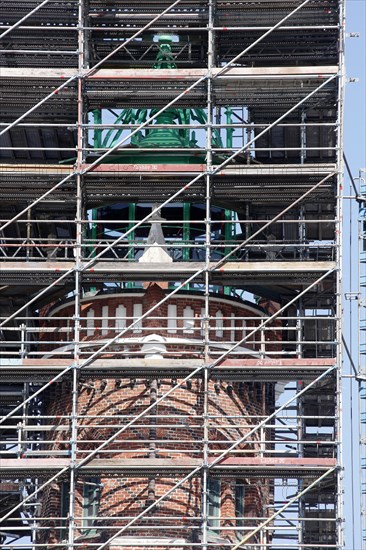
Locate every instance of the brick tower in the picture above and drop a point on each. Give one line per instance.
(170, 435)
(170, 274)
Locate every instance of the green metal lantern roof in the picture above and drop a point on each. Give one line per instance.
(152, 138)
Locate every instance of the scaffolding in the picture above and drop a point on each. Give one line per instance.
(257, 213)
(360, 374)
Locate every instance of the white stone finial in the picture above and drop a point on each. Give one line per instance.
(155, 246)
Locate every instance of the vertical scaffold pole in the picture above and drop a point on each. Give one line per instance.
(361, 371)
(206, 372)
(339, 259)
(77, 277)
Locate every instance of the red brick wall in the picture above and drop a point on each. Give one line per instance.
(59, 328)
(178, 432)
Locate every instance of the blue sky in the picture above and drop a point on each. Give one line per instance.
(355, 114)
(355, 150)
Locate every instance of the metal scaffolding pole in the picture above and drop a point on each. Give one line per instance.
(161, 302)
(89, 71)
(216, 170)
(339, 283)
(219, 459)
(206, 372)
(282, 333)
(204, 78)
(19, 23)
(282, 509)
(180, 384)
